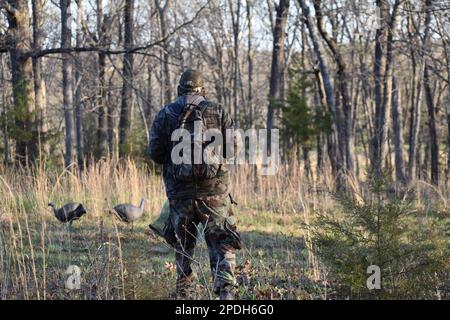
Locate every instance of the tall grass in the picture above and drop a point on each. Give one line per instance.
(30, 237)
(35, 249)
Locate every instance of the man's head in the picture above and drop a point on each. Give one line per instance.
(191, 81)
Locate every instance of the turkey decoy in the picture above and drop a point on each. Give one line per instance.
(68, 212)
(129, 213)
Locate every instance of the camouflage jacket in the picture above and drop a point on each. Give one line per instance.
(160, 147)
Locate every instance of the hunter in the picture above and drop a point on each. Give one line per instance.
(198, 193)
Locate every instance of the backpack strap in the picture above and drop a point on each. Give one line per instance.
(186, 112)
(189, 108)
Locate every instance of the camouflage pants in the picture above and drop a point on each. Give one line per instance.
(221, 237)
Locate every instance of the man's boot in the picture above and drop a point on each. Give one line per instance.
(228, 292)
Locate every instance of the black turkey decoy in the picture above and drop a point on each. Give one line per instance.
(68, 212)
(129, 213)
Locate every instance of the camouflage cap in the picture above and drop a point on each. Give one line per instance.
(191, 79)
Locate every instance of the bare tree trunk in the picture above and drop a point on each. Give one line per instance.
(434, 147)
(162, 11)
(19, 39)
(382, 131)
(448, 142)
(415, 126)
(279, 36)
(235, 22)
(39, 83)
(4, 119)
(66, 34)
(323, 79)
(127, 87)
(102, 128)
(380, 136)
(416, 115)
(250, 65)
(78, 80)
(444, 41)
(412, 95)
(149, 98)
(111, 102)
(343, 89)
(398, 133)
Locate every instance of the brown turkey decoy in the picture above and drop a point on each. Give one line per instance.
(68, 212)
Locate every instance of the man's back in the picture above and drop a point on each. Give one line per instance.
(160, 147)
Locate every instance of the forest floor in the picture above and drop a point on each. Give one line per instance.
(272, 265)
(276, 218)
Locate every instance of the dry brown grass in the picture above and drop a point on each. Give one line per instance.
(35, 250)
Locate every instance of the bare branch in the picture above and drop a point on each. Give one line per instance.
(158, 42)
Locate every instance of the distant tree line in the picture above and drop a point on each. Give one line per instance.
(353, 87)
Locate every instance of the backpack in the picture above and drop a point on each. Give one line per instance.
(210, 161)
